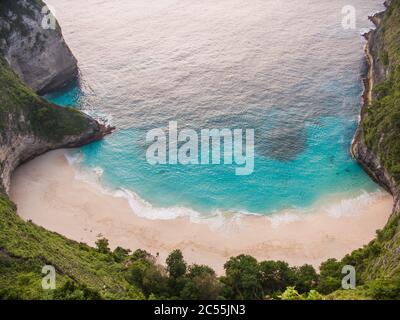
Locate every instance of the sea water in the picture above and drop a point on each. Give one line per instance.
(287, 69)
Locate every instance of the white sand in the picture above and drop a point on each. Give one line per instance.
(47, 192)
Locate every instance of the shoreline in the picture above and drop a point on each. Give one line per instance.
(47, 192)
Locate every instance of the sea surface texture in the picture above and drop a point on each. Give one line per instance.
(287, 69)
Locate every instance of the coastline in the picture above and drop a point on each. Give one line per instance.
(366, 157)
(47, 192)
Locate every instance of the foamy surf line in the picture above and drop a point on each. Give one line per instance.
(343, 207)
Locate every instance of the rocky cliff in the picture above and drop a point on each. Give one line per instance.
(373, 145)
(32, 57)
(30, 126)
(39, 55)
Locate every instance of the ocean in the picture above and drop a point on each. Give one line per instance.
(287, 69)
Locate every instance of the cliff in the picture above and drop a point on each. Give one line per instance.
(376, 143)
(30, 126)
(376, 146)
(39, 56)
(32, 57)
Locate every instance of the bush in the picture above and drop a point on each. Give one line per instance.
(201, 284)
(102, 246)
(120, 254)
(291, 294)
(72, 291)
(385, 289)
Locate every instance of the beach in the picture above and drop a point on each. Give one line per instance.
(48, 192)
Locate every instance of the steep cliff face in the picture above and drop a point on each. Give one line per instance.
(375, 145)
(39, 56)
(30, 126)
(32, 57)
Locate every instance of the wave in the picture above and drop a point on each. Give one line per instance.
(353, 206)
(342, 206)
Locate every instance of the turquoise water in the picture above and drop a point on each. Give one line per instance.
(287, 70)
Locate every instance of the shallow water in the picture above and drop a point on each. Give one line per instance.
(287, 69)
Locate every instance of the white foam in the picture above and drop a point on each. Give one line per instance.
(103, 118)
(217, 219)
(280, 218)
(144, 209)
(353, 206)
(73, 157)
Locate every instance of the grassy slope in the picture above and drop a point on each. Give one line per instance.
(43, 119)
(25, 248)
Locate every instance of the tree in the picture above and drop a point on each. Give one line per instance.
(306, 278)
(201, 284)
(120, 254)
(242, 278)
(330, 276)
(275, 276)
(141, 254)
(176, 266)
(148, 277)
(102, 246)
(155, 282)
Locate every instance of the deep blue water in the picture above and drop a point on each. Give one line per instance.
(286, 69)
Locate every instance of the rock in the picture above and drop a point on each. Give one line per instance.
(376, 74)
(39, 56)
(42, 61)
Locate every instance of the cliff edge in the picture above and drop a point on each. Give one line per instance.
(38, 55)
(35, 59)
(376, 143)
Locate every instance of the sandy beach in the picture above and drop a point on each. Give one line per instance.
(47, 192)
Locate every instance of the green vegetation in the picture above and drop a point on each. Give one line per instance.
(25, 248)
(90, 273)
(382, 122)
(245, 278)
(21, 109)
(100, 273)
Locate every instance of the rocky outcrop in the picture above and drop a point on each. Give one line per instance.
(30, 126)
(19, 146)
(376, 74)
(32, 57)
(38, 55)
